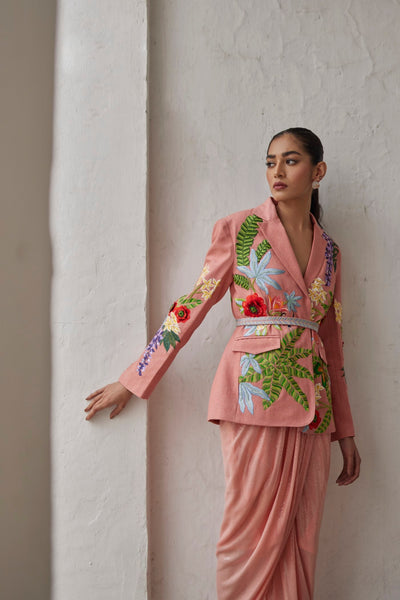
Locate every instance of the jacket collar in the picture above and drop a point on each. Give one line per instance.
(274, 231)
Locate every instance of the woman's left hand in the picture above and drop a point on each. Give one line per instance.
(351, 461)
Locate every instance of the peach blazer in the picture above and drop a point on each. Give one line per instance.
(269, 374)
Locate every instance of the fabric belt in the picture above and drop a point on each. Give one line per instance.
(278, 321)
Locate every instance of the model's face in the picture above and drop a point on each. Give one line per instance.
(290, 172)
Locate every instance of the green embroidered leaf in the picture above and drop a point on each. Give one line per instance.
(293, 388)
(267, 403)
(251, 376)
(273, 386)
(170, 338)
(245, 238)
(299, 371)
(242, 281)
(335, 253)
(262, 248)
(294, 353)
(328, 304)
(189, 302)
(323, 426)
(290, 338)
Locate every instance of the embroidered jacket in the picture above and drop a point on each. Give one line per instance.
(276, 375)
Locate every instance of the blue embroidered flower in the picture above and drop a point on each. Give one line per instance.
(258, 272)
(291, 300)
(331, 251)
(248, 361)
(152, 347)
(251, 330)
(246, 391)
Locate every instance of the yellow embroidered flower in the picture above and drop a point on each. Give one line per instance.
(208, 287)
(202, 277)
(317, 292)
(171, 323)
(338, 311)
(261, 329)
(318, 389)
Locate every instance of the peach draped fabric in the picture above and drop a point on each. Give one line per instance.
(276, 480)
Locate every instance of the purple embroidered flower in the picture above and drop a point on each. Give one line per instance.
(329, 250)
(152, 347)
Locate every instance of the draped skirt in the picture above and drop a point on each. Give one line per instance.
(276, 480)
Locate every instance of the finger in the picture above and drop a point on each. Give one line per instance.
(341, 477)
(96, 393)
(98, 406)
(351, 471)
(93, 402)
(117, 410)
(356, 474)
(347, 471)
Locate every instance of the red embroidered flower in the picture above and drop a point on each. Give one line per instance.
(172, 308)
(182, 313)
(254, 306)
(316, 421)
(276, 307)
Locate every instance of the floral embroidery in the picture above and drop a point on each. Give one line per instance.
(254, 306)
(317, 292)
(252, 262)
(182, 313)
(331, 252)
(248, 361)
(171, 323)
(318, 389)
(276, 307)
(256, 330)
(258, 273)
(320, 369)
(291, 301)
(152, 347)
(246, 391)
(338, 311)
(316, 421)
(169, 333)
(245, 238)
(320, 299)
(203, 274)
(279, 368)
(208, 288)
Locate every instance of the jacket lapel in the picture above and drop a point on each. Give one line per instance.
(273, 230)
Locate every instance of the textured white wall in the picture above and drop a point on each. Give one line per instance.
(224, 77)
(98, 224)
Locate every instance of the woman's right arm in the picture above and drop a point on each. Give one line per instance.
(185, 315)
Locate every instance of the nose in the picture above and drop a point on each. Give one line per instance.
(279, 170)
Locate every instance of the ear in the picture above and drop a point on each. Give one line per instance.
(320, 170)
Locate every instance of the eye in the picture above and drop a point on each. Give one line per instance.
(269, 164)
(291, 161)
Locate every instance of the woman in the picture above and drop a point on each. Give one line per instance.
(279, 394)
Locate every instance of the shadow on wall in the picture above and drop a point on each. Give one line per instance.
(27, 40)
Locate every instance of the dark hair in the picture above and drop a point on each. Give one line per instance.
(313, 146)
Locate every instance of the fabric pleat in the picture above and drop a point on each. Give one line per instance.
(276, 480)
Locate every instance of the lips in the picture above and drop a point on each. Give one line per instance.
(280, 186)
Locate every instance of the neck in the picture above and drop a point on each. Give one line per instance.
(295, 214)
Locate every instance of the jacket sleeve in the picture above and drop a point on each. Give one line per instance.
(184, 316)
(330, 332)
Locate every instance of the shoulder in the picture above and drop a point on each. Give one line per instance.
(235, 220)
